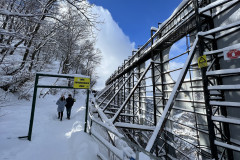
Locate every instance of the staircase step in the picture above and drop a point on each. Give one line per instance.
(215, 93)
(225, 87)
(223, 72)
(225, 145)
(225, 103)
(226, 120)
(215, 98)
(222, 50)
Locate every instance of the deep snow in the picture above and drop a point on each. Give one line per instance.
(51, 139)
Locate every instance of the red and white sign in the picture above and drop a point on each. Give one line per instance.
(231, 54)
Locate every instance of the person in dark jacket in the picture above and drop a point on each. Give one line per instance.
(61, 103)
(70, 101)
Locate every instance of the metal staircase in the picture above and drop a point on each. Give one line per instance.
(220, 101)
(143, 102)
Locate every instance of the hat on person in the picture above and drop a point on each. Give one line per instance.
(69, 95)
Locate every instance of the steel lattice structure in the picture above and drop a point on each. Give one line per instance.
(156, 112)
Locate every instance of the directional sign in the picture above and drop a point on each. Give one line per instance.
(202, 61)
(232, 54)
(80, 82)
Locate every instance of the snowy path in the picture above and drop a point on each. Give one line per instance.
(51, 139)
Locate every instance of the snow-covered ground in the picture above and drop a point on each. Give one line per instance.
(51, 139)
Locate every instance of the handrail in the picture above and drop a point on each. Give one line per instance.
(120, 136)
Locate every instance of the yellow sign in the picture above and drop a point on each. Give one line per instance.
(80, 82)
(202, 61)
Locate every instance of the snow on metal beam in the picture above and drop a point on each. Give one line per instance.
(134, 126)
(52, 74)
(219, 29)
(109, 128)
(223, 72)
(121, 114)
(225, 103)
(115, 150)
(224, 87)
(214, 4)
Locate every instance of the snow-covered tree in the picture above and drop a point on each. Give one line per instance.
(35, 33)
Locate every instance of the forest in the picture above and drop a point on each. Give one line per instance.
(37, 34)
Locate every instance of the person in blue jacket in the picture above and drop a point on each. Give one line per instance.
(61, 103)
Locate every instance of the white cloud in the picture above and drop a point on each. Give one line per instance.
(113, 43)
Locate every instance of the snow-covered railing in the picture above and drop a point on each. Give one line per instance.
(215, 4)
(114, 134)
(121, 154)
(116, 152)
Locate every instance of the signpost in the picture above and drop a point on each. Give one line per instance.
(83, 83)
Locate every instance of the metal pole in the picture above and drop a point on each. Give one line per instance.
(133, 100)
(223, 109)
(213, 148)
(33, 108)
(154, 94)
(86, 115)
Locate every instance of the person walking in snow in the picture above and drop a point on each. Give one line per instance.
(70, 101)
(61, 103)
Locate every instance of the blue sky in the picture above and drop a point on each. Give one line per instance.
(126, 26)
(136, 17)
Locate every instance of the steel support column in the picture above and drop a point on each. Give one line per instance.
(205, 85)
